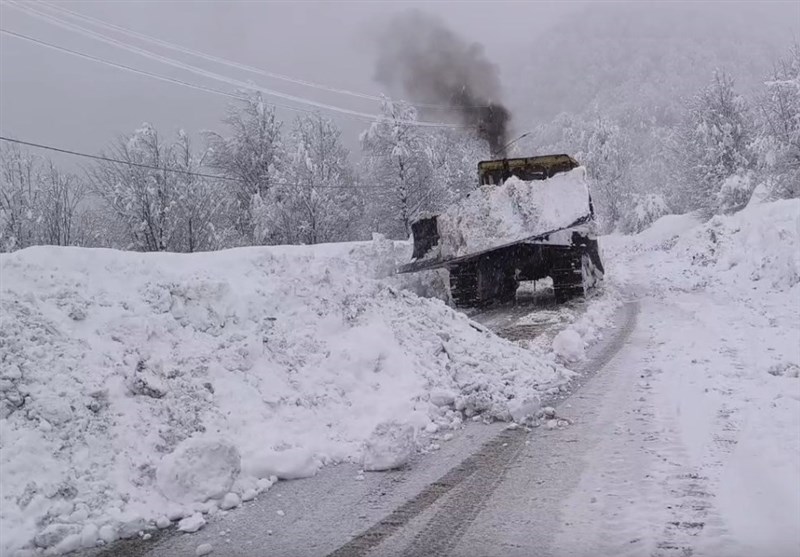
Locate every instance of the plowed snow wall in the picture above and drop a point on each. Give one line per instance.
(493, 216)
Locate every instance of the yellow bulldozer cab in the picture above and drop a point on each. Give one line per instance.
(495, 172)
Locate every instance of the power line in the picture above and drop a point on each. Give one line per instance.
(117, 161)
(210, 57)
(139, 71)
(146, 73)
(158, 77)
(142, 52)
(162, 169)
(212, 75)
(120, 66)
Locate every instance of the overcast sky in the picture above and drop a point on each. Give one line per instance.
(51, 97)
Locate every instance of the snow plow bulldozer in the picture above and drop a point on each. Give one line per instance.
(530, 218)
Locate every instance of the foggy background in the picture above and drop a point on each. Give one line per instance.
(552, 57)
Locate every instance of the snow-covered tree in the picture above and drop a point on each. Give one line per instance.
(642, 211)
(61, 196)
(142, 195)
(99, 227)
(778, 143)
(317, 200)
(18, 199)
(713, 144)
(251, 156)
(141, 198)
(39, 204)
(397, 170)
(158, 204)
(607, 156)
(454, 157)
(201, 204)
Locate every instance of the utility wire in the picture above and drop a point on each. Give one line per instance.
(163, 169)
(120, 66)
(210, 57)
(205, 73)
(117, 161)
(141, 72)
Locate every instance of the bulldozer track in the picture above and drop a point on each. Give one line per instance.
(522, 332)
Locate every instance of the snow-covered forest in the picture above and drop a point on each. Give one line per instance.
(257, 180)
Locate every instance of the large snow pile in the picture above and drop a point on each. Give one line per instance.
(760, 243)
(150, 387)
(758, 246)
(496, 215)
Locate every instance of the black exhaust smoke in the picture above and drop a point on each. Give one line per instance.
(442, 73)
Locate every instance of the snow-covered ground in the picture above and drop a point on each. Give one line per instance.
(169, 388)
(703, 450)
(140, 389)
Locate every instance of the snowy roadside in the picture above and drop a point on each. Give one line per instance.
(707, 453)
(147, 389)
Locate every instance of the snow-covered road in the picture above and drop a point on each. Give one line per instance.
(682, 456)
(671, 452)
(666, 455)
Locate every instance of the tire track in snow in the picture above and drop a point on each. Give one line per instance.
(697, 488)
(675, 501)
(473, 481)
(694, 521)
(645, 494)
(626, 511)
(495, 454)
(696, 527)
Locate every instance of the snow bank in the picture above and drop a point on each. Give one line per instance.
(497, 215)
(664, 232)
(760, 243)
(758, 246)
(582, 329)
(141, 388)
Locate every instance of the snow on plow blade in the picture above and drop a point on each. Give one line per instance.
(493, 217)
(438, 262)
(520, 230)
